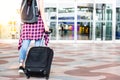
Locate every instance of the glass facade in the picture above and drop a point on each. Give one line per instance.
(87, 20)
(76, 20)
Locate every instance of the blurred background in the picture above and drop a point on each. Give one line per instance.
(9, 19)
(69, 20)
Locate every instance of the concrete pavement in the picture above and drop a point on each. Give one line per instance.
(98, 61)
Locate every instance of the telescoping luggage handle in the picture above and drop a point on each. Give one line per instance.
(42, 39)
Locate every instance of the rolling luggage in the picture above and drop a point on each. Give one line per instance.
(38, 62)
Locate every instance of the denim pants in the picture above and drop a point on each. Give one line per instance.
(24, 49)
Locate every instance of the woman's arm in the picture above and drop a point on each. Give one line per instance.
(42, 13)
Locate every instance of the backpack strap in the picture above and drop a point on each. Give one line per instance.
(37, 1)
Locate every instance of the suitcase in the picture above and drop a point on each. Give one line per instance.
(38, 62)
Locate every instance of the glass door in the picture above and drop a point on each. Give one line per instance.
(84, 21)
(66, 21)
(103, 29)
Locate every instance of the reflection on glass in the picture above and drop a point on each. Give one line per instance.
(99, 31)
(66, 31)
(51, 19)
(84, 31)
(85, 11)
(103, 31)
(109, 14)
(117, 23)
(100, 11)
(108, 31)
(66, 22)
(84, 21)
(104, 22)
(104, 11)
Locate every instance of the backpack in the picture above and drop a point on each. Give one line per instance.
(29, 11)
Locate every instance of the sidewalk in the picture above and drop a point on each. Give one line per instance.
(71, 62)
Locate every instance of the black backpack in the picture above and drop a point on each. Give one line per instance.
(29, 11)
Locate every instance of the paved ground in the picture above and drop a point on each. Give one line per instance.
(96, 61)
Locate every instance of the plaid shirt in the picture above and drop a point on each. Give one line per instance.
(33, 32)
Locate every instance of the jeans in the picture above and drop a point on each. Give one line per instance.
(24, 48)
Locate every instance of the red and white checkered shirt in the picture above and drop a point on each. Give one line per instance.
(33, 32)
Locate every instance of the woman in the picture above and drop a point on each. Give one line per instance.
(30, 32)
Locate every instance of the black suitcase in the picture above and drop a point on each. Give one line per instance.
(38, 62)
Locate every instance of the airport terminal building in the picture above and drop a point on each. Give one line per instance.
(77, 21)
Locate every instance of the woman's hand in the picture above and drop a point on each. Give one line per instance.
(46, 28)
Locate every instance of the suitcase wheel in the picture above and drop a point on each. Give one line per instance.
(27, 74)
